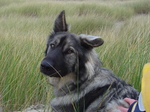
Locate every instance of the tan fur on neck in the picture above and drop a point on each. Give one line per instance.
(59, 82)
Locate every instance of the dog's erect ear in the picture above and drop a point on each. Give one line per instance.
(91, 41)
(60, 24)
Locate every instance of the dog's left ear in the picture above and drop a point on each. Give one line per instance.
(91, 41)
(60, 24)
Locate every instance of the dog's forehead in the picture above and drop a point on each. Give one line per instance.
(64, 37)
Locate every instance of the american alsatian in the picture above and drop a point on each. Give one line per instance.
(74, 70)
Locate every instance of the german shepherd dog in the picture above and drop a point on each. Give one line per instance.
(74, 70)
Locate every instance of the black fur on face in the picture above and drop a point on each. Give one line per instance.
(63, 55)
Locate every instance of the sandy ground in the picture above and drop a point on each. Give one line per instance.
(34, 108)
(1, 110)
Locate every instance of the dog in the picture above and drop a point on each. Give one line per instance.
(80, 82)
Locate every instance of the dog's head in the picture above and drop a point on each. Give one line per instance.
(66, 52)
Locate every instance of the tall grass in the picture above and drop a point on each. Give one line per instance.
(22, 48)
(25, 25)
(128, 49)
(139, 7)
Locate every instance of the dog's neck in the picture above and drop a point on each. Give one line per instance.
(69, 83)
(63, 85)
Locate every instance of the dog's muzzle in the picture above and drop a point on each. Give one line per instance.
(48, 69)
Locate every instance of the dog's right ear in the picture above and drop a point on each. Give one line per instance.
(60, 24)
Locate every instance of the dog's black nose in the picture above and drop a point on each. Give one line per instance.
(45, 65)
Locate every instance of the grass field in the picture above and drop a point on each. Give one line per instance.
(25, 25)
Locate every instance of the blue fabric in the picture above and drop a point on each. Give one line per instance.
(134, 107)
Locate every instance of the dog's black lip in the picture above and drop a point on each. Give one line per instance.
(54, 74)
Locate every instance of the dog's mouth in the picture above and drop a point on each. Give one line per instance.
(50, 72)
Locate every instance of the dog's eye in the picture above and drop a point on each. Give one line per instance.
(52, 45)
(69, 51)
